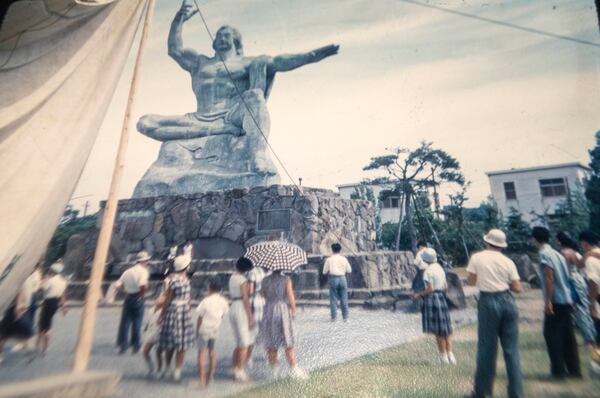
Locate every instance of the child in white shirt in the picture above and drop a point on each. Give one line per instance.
(211, 311)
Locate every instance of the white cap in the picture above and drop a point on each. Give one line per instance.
(429, 256)
(142, 256)
(57, 267)
(181, 262)
(495, 237)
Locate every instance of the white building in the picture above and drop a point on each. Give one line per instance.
(390, 208)
(536, 190)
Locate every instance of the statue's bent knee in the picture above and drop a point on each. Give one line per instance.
(146, 123)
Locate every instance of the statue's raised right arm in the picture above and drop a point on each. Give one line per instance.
(186, 58)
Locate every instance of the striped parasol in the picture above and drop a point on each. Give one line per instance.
(276, 255)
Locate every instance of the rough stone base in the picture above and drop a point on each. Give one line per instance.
(455, 294)
(222, 224)
(87, 384)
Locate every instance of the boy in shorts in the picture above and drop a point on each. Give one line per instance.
(211, 311)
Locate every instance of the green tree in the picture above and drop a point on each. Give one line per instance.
(518, 233)
(488, 214)
(592, 189)
(572, 215)
(58, 243)
(413, 171)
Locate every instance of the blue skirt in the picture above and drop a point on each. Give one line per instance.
(17, 328)
(436, 316)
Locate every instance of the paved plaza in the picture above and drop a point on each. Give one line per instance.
(321, 343)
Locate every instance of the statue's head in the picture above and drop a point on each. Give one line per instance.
(228, 37)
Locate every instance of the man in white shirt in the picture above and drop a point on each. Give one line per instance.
(498, 317)
(134, 283)
(589, 242)
(337, 266)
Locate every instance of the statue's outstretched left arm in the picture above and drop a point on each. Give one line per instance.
(286, 62)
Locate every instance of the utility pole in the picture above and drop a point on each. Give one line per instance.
(85, 207)
(88, 318)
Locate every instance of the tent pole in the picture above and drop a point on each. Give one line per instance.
(88, 318)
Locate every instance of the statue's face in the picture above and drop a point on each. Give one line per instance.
(223, 40)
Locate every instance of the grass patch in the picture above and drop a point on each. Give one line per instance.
(409, 370)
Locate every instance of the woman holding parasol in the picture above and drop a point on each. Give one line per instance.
(277, 327)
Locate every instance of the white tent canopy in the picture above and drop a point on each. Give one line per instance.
(60, 61)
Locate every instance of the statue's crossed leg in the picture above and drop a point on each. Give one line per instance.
(249, 117)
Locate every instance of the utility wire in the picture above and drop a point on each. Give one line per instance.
(505, 24)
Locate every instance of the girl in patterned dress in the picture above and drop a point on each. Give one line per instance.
(277, 327)
(177, 330)
(435, 313)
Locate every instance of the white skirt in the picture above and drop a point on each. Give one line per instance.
(244, 337)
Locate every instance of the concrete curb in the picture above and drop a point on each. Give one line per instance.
(70, 385)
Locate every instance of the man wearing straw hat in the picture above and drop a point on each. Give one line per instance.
(496, 277)
(134, 283)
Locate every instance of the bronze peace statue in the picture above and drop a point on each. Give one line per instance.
(221, 145)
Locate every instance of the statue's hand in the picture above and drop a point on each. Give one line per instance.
(325, 52)
(186, 11)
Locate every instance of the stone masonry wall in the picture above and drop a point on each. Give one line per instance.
(222, 224)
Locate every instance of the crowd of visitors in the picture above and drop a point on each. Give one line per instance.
(19, 321)
(262, 310)
(570, 283)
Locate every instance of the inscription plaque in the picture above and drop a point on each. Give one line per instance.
(274, 220)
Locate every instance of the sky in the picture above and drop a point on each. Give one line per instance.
(493, 96)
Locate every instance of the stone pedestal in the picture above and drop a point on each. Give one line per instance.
(222, 224)
(71, 385)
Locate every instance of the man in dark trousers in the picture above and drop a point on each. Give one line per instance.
(558, 307)
(496, 276)
(337, 266)
(134, 283)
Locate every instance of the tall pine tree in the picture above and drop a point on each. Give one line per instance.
(592, 189)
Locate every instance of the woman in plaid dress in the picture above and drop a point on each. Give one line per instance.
(177, 330)
(435, 313)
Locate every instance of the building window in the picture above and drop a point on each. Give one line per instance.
(391, 202)
(510, 191)
(553, 187)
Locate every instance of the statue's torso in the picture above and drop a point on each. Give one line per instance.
(213, 86)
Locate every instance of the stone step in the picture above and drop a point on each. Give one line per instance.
(325, 303)
(91, 384)
(76, 290)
